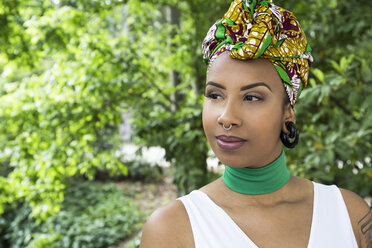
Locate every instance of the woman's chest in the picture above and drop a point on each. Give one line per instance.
(282, 226)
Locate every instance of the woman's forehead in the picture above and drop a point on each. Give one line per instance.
(226, 70)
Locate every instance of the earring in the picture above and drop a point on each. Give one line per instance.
(293, 134)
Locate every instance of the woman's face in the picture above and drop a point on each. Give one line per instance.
(249, 96)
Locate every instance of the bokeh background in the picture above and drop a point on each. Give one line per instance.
(100, 112)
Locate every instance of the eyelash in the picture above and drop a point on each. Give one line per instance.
(251, 96)
(211, 95)
(214, 97)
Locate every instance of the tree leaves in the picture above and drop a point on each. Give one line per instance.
(54, 117)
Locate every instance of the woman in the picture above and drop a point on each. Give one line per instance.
(255, 50)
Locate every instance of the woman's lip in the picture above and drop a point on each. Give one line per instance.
(230, 142)
(230, 138)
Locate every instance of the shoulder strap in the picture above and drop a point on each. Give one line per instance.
(211, 226)
(331, 225)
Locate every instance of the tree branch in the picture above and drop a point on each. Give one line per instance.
(160, 91)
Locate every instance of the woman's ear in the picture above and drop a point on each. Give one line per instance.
(289, 115)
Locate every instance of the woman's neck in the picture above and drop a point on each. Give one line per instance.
(257, 181)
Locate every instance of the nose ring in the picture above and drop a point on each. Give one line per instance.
(227, 128)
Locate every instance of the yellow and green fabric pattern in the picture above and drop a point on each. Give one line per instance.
(253, 29)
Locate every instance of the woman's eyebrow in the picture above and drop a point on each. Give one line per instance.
(246, 87)
(249, 86)
(216, 85)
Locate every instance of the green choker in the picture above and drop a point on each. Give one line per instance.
(257, 181)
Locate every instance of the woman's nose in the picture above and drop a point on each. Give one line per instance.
(230, 115)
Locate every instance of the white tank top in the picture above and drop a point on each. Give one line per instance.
(213, 227)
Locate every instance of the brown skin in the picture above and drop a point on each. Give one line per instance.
(257, 115)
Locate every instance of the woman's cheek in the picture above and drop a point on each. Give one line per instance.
(209, 116)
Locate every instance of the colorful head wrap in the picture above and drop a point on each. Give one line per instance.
(253, 29)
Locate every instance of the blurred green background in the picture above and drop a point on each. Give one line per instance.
(70, 68)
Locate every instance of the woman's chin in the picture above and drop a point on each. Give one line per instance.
(233, 162)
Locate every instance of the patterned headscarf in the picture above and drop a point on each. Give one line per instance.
(253, 29)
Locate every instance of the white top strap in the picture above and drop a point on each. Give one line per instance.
(211, 225)
(331, 225)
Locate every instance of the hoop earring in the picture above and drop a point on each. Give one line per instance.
(227, 128)
(293, 134)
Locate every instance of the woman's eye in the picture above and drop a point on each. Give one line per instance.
(251, 98)
(213, 96)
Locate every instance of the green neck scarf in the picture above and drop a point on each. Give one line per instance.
(257, 181)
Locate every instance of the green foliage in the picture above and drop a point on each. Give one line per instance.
(144, 171)
(334, 28)
(135, 243)
(60, 102)
(92, 215)
(336, 141)
(334, 113)
(137, 170)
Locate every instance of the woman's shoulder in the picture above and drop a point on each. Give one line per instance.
(360, 217)
(168, 226)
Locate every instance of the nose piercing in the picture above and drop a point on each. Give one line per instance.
(227, 128)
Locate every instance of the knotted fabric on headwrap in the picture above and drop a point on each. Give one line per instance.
(253, 29)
